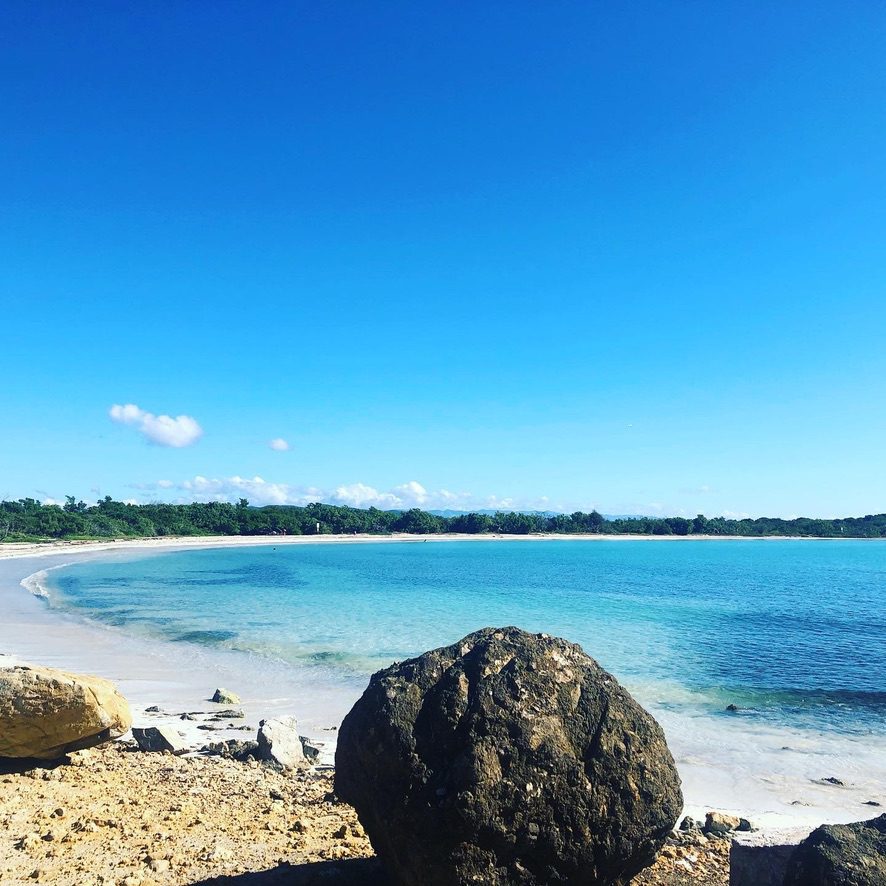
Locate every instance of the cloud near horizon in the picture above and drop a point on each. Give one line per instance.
(161, 430)
(357, 495)
(278, 444)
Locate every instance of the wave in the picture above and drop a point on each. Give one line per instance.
(38, 583)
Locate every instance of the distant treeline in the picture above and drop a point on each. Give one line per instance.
(28, 519)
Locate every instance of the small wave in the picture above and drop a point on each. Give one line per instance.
(36, 584)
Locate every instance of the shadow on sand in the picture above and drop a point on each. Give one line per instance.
(349, 872)
(19, 765)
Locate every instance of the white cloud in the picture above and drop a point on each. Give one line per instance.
(163, 430)
(256, 489)
(278, 444)
(358, 495)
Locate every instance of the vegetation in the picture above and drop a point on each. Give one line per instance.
(29, 520)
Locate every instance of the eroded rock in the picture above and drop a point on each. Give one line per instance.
(841, 855)
(507, 758)
(46, 713)
(279, 741)
(159, 738)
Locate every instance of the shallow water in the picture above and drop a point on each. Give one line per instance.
(792, 632)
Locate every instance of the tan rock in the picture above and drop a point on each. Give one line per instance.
(46, 713)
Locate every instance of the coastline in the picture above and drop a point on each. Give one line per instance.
(180, 677)
(12, 550)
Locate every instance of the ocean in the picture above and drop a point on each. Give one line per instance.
(790, 632)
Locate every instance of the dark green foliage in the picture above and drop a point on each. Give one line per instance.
(27, 519)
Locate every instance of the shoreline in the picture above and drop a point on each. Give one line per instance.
(12, 550)
(180, 677)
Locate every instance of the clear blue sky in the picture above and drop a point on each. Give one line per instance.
(629, 256)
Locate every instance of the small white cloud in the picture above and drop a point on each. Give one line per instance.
(162, 430)
(278, 444)
(52, 501)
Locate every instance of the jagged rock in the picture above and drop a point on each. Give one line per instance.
(507, 758)
(841, 855)
(311, 751)
(279, 741)
(721, 824)
(224, 696)
(158, 738)
(690, 824)
(232, 748)
(46, 713)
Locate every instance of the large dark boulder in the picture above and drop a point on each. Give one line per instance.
(506, 758)
(841, 855)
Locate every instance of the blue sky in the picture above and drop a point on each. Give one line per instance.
(625, 256)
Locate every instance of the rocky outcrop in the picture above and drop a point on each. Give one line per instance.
(225, 696)
(507, 758)
(841, 855)
(159, 738)
(279, 741)
(46, 713)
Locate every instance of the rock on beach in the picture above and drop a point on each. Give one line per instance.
(225, 696)
(46, 713)
(279, 741)
(841, 855)
(507, 758)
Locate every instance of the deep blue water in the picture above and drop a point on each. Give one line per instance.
(793, 632)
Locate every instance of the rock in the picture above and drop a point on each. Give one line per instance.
(153, 709)
(832, 781)
(46, 713)
(229, 715)
(744, 825)
(233, 749)
(311, 751)
(761, 859)
(870, 803)
(279, 741)
(690, 824)
(158, 738)
(732, 708)
(506, 758)
(841, 855)
(721, 824)
(223, 696)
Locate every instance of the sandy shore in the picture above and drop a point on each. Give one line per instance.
(118, 817)
(32, 549)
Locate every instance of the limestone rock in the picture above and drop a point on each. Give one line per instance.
(841, 855)
(720, 823)
(159, 738)
(46, 713)
(279, 741)
(224, 696)
(507, 758)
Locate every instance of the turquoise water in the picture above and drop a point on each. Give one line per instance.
(793, 632)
